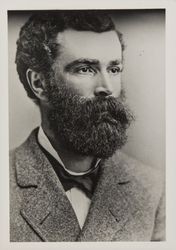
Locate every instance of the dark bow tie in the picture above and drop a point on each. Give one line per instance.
(86, 183)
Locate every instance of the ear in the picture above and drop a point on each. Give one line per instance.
(37, 84)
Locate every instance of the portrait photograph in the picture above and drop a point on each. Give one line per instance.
(87, 149)
(87, 131)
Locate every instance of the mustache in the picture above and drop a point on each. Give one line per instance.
(109, 109)
(94, 111)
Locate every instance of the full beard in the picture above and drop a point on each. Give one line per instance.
(87, 126)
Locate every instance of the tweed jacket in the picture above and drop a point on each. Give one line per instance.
(127, 204)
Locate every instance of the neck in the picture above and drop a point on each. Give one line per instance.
(72, 161)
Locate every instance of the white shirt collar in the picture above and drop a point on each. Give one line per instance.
(45, 143)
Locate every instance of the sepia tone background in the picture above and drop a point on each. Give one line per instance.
(143, 78)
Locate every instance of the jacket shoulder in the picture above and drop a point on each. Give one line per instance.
(147, 189)
(149, 178)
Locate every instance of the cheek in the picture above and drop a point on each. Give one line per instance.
(116, 86)
(85, 86)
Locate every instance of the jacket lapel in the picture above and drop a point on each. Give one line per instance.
(111, 207)
(45, 206)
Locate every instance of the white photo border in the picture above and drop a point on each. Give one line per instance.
(170, 7)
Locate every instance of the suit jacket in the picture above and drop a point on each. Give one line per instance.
(127, 204)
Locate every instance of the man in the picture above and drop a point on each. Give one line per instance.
(69, 180)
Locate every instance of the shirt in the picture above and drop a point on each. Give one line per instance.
(78, 199)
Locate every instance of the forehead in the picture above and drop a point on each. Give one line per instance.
(103, 46)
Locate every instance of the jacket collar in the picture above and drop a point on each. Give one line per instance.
(47, 209)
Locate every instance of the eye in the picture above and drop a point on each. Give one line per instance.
(85, 70)
(115, 70)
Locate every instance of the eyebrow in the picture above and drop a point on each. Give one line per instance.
(88, 61)
(79, 61)
(115, 62)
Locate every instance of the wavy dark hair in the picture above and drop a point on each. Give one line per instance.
(37, 47)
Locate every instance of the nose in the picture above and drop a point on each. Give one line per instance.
(101, 91)
(103, 87)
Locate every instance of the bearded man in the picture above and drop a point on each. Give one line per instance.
(69, 180)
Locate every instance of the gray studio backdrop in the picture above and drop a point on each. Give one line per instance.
(143, 78)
